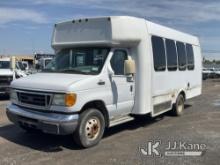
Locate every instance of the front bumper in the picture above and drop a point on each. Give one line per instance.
(53, 123)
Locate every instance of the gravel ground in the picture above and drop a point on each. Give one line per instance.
(3, 102)
(200, 124)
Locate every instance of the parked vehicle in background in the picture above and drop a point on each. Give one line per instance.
(93, 82)
(43, 62)
(28, 68)
(9, 70)
(206, 72)
(6, 75)
(217, 72)
(26, 65)
(210, 73)
(20, 70)
(38, 56)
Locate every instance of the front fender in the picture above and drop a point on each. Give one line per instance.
(103, 94)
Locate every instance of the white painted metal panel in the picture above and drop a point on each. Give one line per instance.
(162, 31)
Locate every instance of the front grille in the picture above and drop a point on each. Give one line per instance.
(35, 99)
(5, 80)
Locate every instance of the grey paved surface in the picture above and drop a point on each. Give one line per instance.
(199, 124)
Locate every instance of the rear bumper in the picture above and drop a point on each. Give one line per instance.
(53, 123)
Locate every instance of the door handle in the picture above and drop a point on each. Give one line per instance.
(101, 82)
(131, 88)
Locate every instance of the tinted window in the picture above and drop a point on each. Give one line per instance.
(158, 53)
(171, 55)
(117, 61)
(181, 51)
(190, 57)
(4, 64)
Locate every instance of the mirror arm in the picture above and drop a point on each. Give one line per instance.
(130, 77)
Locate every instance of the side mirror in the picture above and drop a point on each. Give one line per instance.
(129, 67)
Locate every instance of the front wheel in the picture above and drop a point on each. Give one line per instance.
(179, 106)
(90, 128)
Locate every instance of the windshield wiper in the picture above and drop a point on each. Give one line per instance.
(73, 71)
(47, 70)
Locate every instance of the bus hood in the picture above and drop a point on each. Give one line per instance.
(55, 82)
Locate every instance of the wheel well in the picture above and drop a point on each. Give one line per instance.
(183, 93)
(100, 105)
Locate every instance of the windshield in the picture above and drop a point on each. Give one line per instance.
(4, 64)
(78, 60)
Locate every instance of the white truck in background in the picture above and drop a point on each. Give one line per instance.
(43, 62)
(10, 69)
(106, 72)
(6, 75)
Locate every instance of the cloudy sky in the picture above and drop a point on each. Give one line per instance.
(26, 25)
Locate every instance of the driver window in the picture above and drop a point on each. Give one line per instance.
(117, 61)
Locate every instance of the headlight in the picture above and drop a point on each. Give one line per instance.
(59, 99)
(64, 99)
(13, 95)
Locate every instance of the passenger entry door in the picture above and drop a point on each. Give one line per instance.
(122, 89)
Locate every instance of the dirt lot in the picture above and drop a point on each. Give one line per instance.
(200, 124)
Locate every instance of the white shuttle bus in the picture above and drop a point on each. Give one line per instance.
(106, 71)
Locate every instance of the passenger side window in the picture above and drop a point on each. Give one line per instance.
(117, 61)
(181, 51)
(158, 53)
(171, 55)
(190, 57)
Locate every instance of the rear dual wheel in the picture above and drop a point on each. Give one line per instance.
(179, 105)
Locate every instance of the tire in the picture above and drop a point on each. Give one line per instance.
(178, 107)
(90, 128)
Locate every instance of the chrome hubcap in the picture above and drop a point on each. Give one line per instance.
(92, 128)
